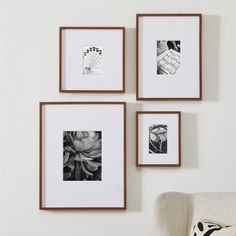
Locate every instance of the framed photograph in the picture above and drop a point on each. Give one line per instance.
(82, 155)
(169, 57)
(92, 59)
(158, 138)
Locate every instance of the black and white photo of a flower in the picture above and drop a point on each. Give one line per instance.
(92, 60)
(158, 139)
(82, 155)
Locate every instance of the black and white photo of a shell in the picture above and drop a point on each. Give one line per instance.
(92, 60)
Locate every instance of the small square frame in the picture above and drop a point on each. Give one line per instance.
(62, 78)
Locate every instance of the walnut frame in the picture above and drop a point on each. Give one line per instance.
(41, 207)
(61, 89)
(179, 138)
(200, 58)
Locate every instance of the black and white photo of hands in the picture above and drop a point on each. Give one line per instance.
(168, 57)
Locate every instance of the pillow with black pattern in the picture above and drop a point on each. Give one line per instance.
(209, 228)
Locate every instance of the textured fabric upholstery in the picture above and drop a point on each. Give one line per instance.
(178, 212)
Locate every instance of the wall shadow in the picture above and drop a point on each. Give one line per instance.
(134, 174)
(210, 57)
(189, 140)
(130, 60)
(189, 143)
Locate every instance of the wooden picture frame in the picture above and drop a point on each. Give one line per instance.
(52, 179)
(145, 158)
(113, 52)
(147, 59)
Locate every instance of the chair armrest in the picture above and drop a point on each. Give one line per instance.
(172, 210)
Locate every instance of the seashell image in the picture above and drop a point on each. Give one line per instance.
(92, 60)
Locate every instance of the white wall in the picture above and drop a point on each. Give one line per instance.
(29, 74)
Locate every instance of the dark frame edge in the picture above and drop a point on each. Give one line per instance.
(200, 56)
(168, 14)
(83, 208)
(169, 99)
(123, 63)
(125, 157)
(40, 155)
(137, 56)
(60, 59)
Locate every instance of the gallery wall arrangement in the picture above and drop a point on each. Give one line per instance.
(83, 144)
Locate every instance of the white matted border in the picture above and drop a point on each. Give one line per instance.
(108, 117)
(72, 40)
(185, 85)
(145, 119)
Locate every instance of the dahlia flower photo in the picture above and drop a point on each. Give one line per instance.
(82, 155)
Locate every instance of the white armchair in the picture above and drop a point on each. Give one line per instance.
(177, 212)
